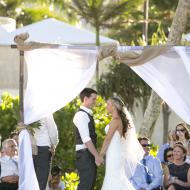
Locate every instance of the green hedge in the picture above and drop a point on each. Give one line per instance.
(65, 152)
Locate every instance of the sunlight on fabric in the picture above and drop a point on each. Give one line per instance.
(55, 77)
(169, 76)
(27, 175)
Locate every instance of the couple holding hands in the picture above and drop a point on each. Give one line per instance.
(120, 147)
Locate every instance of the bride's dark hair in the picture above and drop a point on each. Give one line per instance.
(123, 113)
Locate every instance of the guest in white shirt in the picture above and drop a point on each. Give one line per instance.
(46, 137)
(9, 166)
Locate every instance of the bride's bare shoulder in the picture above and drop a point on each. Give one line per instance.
(116, 121)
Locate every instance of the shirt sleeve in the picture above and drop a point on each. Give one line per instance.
(52, 130)
(81, 121)
(157, 181)
(138, 179)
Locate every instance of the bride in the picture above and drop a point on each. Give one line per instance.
(121, 148)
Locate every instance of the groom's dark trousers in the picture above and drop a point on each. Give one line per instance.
(86, 167)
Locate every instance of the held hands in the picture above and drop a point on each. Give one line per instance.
(99, 160)
(10, 179)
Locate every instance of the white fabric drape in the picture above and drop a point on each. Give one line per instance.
(169, 76)
(27, 175)
(55, 77)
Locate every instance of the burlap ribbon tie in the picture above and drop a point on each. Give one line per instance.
(22, 126)
(22, 45)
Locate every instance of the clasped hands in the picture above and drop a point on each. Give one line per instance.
(10, 179)
(99, 160)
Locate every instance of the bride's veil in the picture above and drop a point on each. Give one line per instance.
(133, 150)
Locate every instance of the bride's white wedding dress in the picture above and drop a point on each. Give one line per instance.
(115, 176)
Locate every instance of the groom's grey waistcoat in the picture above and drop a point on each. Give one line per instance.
(91, 127)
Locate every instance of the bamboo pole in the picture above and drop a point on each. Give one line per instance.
(21, 87)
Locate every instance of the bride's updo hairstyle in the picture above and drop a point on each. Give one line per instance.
(123, 113)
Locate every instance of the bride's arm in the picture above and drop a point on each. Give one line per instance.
(112, 128)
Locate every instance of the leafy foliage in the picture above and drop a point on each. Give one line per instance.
(153, 150)
(65, 152)
(31, 14)
(8, 7)
(124, 82)
(102, 14)
(27, 12)
(158, 38)
(71, 181)
(120, 79)
(9, 114)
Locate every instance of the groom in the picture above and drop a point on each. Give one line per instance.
(86, 154)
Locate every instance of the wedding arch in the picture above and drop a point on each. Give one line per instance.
(53, 74)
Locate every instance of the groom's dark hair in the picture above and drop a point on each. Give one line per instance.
(86, 92)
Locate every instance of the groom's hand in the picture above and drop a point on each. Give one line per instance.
(99, 160)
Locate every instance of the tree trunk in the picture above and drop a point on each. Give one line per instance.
(179, 22)
(145, 25)
(178, 27)
(166, 113)
(151, 114)
(97, 44)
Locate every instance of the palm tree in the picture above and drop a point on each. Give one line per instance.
(178, 27)
(8, 7)
(102, 14)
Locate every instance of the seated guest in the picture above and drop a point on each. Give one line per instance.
(168, 155)
(168, 158)
(148, 174)
(170, 143)
(177, 174)
(9, 166)
(55, 182)
(15, 135)
(183, 136)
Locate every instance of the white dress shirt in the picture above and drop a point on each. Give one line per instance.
(47, 133)
(9, 166)
(81, 120)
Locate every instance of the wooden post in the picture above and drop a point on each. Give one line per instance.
(21, 87)
(145, 25)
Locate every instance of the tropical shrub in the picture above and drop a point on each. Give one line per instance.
(9, 114)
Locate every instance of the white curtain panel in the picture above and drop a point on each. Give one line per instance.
(27, 175)
(55, 77)
(169, 76)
